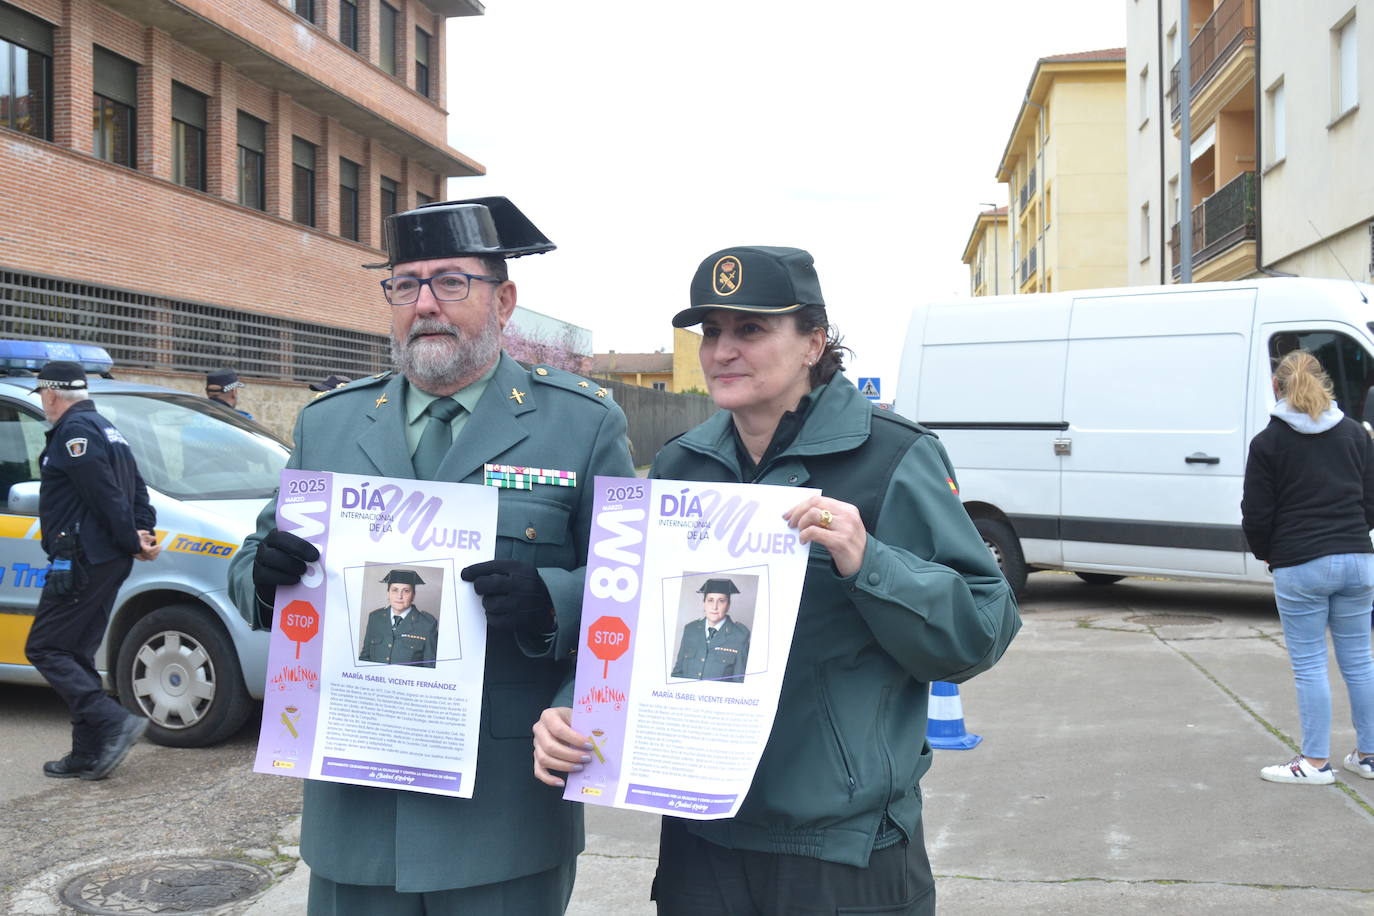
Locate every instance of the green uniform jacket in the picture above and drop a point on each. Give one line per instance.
(927, 604)
(513, 825)
(413, 641)
(724, 659)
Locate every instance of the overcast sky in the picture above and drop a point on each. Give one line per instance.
(642, 135)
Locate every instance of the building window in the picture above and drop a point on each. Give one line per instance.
(1345, 67)
(348, 23)
(1171, 54)
(1144, 94)
(1277, 98)
(1174, 215)
(302, 181)
(305, 9)
(252, 162)
(422, 62)
(115, 120)
(422, 198)
(386, 37)
(348, 199)
(1145, 231)
(25, 73)
(188, 137)
(388, 202)
(660, 386)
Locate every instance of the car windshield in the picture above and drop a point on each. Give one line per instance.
(190, 448)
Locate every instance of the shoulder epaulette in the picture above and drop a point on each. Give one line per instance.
(560, 378)
(893, 417)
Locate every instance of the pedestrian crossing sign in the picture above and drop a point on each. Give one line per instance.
(870, 388)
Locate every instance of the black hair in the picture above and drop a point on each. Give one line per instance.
(495, 267)
(811, 318)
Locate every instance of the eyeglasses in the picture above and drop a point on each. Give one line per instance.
(449, 287)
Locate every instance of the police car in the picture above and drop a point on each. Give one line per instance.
(176, 651)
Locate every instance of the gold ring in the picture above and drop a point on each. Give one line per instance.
(826, 518)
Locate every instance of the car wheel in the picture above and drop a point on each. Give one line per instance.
(1006, 549)
(1098, 578)
(178, 668)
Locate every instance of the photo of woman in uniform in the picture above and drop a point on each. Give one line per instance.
(714, 645)
(400, 633)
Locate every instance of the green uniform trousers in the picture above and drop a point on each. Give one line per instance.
(544, 892)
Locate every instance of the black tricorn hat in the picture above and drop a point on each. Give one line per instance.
(402, 577)
(718, 587)
(763, 279)
(329, 384)
(63, 375)
(484, 227)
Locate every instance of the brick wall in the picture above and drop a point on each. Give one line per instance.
(137, 230)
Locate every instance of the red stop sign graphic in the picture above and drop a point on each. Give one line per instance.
(300, 622)
(608, 638)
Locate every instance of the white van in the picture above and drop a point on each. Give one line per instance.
(1105, 431)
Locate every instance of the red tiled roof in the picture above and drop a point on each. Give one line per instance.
(631, 362)
(1103, 54)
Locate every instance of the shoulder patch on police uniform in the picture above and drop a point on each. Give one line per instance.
(76, 447)
(568, 381)
(366, 381)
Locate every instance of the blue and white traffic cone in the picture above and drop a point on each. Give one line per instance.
(945, 726)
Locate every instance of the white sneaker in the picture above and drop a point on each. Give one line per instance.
(1360, 766)
(1299, 771)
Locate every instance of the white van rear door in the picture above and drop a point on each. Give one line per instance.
(1155, 398)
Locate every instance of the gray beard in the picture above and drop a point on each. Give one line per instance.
(444, 364)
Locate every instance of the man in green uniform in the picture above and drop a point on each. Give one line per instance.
(458, 409)
(401, 633)
(714, 648)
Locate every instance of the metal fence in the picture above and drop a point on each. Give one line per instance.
(656, 416)
(153, 333)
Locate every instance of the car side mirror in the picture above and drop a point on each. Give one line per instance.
(23, 498)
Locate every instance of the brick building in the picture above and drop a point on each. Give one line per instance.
(195, 183)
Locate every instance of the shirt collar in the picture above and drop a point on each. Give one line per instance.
(417, 401)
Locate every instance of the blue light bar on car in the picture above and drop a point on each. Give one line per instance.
(35, 354)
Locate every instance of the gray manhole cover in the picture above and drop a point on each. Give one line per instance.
(164, 886)
(1172, 620)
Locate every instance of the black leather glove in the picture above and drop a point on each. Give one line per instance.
(280, 560)
(513, 595)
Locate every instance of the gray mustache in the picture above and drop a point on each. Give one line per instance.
(431, 326)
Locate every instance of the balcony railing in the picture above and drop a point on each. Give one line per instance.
(1028, 189)
(1221, 221)
(1231, 25)
(1027, 266)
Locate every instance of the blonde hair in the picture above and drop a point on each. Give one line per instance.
(1303, 381)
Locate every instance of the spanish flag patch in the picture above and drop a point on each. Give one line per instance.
(952, 486)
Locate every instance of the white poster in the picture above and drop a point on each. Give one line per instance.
(691, 599)
(375, 668)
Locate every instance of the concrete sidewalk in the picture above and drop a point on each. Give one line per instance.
(1123, 736)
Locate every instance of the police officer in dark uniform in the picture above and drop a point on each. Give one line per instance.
(714, 648)
(401, 634)
(96, 520)
(223, 386)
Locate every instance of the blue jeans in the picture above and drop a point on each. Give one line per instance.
(1334, 592)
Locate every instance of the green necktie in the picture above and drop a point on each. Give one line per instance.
(437, 437)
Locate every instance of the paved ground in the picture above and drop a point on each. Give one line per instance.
(1123, 734)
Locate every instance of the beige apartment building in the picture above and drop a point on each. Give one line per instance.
(1279, 183)
(988, 254)
(1065, 170)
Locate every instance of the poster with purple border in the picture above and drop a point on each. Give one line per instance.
(687, 617)
(374, 669)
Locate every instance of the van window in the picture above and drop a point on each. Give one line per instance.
(21, 442)
(1348, 364)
